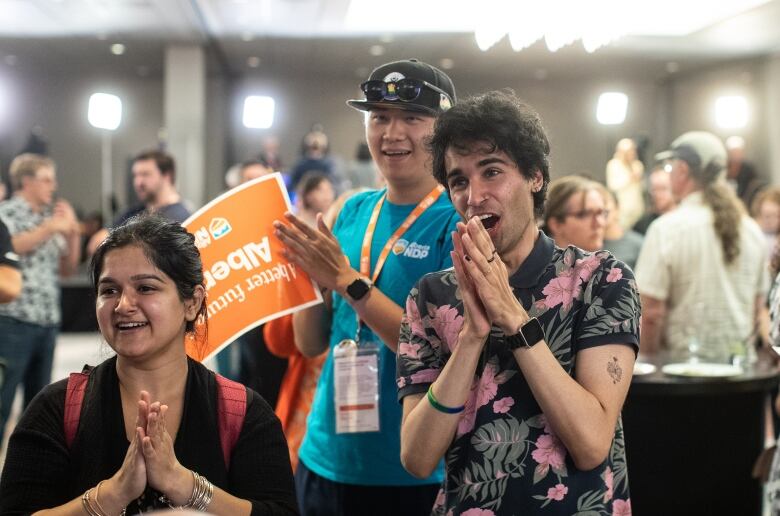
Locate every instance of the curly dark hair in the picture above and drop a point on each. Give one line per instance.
(500, 119)
(167, 245)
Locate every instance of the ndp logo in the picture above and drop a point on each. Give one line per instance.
(411, 250)
(218, 228)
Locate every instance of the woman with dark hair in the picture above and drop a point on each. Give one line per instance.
(150, 429)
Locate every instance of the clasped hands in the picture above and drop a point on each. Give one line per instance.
(483, 281)
(150, 460)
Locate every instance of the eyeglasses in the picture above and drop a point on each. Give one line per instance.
(589, 214)
(405, 90)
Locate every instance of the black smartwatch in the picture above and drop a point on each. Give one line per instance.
(358, 289)
(529, 335)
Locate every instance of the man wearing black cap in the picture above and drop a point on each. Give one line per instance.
(380, 244)
(702, 270)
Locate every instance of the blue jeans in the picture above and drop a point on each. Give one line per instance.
(28, 351)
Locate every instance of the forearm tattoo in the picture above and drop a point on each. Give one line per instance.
(614, 370)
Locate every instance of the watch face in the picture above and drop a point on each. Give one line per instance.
(358, 288)
(530, 333)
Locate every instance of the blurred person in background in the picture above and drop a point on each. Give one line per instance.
(702, 270)
(624, 244)
(362, 172)
(314, 157)
(625, 177)
(45, 235)
(154, 182)
(766, 210)
(270, 153)
(10, 275)
(741, 174)
(661, 198)
(576, 213)
(315, 195)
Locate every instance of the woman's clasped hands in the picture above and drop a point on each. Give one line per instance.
(150, 460)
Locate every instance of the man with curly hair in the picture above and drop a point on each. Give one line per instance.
(514, 365)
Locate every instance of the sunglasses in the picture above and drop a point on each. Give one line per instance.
(405, 90)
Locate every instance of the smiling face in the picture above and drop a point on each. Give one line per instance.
(396, 139)
(138, 307)
(488, 184)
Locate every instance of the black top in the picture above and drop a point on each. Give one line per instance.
(7, 255)
(40, 472)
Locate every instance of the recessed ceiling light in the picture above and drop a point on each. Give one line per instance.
(117, 49)
(672, 67)
(377, 50)
(253, 62)
(447, 63)
(387, 38)
(247, 36)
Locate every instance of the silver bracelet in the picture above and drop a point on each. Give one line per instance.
(202, 493)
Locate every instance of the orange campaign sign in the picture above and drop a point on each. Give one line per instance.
(248, 281)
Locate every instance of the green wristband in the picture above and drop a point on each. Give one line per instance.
(441, 408)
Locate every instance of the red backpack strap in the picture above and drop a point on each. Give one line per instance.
(231, 409)
(74, 397)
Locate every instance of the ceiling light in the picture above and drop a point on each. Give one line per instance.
(117, 49)
(105, 111)
(376, 50)
(731, 112)
(672, 67)
(253, 62)
(258, 112)
(447, 64)
(247, 36)
(612, 108)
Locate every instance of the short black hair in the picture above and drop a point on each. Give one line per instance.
(167, 245)
(164, 161)
(500, 119)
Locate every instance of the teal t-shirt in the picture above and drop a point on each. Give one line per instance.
(373, 458)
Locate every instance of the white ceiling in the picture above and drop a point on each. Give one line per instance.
(318, 36)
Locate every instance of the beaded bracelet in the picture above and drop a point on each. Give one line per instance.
(441, 408)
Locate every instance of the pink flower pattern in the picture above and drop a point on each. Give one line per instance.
(614, 275)
(621, 507)
(409, 350)
(549, 452)
(447, 322)
(562, 291)
(557, 493)
(487, 387)
(609, 480)
(425, 376)
(503, 405)
(585, 267)
(478, 512)
(412, 315)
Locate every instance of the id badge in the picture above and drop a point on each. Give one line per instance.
(356, 389)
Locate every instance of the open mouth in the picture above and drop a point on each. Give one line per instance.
(129, 326)
(396, 153)
(489, 220)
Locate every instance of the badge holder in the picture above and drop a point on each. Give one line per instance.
(356, 386)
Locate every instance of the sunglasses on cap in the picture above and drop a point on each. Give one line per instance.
(405, 90)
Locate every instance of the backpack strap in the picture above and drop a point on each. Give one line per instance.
(231, 409)
(74, 397)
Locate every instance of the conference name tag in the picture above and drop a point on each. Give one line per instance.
(356, 388)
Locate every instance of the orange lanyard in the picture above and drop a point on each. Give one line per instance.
(365, 251)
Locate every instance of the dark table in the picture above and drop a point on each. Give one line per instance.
(77, 302)
(691, 442)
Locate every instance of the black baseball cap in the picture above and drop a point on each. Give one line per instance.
(436, 95)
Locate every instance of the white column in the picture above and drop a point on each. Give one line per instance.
(185, 117)
(773, 117)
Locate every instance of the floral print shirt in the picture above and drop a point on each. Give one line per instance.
(505, 458)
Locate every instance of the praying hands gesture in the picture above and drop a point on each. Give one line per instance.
(150, 460)
(484, 283)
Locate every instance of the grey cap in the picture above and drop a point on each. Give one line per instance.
(702, 151)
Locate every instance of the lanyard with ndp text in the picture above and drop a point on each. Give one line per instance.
(355, 367)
